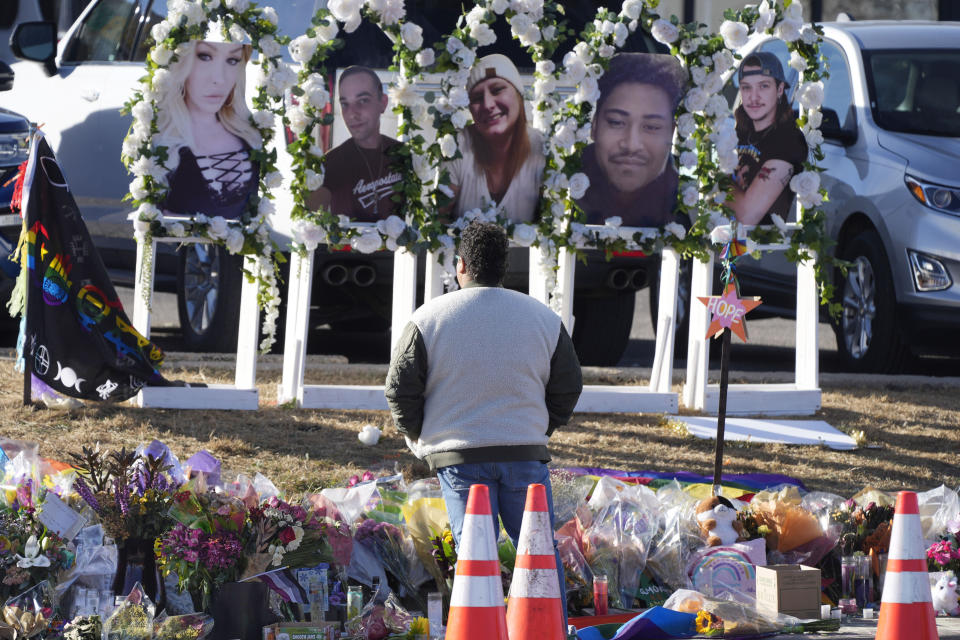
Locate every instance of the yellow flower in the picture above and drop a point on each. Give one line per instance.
(419, 627)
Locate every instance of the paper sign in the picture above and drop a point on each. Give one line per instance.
(56, 515)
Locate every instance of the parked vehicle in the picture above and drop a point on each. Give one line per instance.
(891, 130)
(93, 71)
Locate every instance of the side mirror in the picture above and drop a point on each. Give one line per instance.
(36, 41)
(6, 76)
(831, 129)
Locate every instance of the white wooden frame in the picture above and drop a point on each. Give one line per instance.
(801, 397)
(336, 396)
(242, 394)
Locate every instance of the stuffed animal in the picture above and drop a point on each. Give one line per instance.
(718, 521)
(944, 595)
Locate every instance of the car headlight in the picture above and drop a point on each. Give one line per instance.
(929, 273)
(935, 196)
(14, 148)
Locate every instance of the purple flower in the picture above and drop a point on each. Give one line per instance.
(122, 496)
(83, 490)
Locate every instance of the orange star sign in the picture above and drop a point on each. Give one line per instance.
(728, 312)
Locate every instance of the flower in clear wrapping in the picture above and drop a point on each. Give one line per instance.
(273, 180)
(218, 227)
(234, 241)
(691, 196)
(448, 146)
(810, 95)
(298, 118)
(313, 179)
(425, 58)
(789, 30)
(734, 34)
(302, 48)
(676, 229)
(578, 185)
(766, 16)
(664, 31)
(412, 36)
(392, 226)
(367, 242)
(696, 99)
(524, 234)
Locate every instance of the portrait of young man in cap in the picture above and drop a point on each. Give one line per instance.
(629, 164)
(771, 147)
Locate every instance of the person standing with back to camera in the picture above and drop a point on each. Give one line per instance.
(771, 146)
(205, 124)
(502, 158)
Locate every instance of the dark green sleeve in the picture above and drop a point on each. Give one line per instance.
(565, 383)
(406, 382)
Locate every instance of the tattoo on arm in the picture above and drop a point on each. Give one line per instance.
(763, 173)
(785, 180)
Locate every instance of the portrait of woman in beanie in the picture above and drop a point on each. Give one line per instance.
(502, 158)
(205, 124)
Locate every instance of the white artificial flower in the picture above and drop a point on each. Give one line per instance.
(620, 33)
(574, 69)
(212, 4)
(454, 45)
(266, 207)
(448, 146)
(583, 51)
(690, 45)
(147, 211)
(722, 60)
(131, 146)
(587, 91)
(269, 47)
(273, 180)
(810, 94)
(808, 35)
(160, 31)
(161, 80)
(279, 80)
(789, 30)
(520, 23)
(263, 119)
(794, 11)
(327, 32)
(613, 221)
(393, 12)
(412, 36)
(302, 48)
(234, 241)
(698, 75)
(161, 55)
(476, 16)
(425, 57)
(721, 234)
(140, 227)
(809, 202)
(194, 12)
(464, 58)
(402, 93)
(313, 180)
(676, 229)
(345, 10)
(176, 229)
(606, 50)
(459, 118)
(147, 166)
(734, 34)
(237, 34)
(607, 27)
(238, 5)
(578, 185)
(483, 34)
(531, 36)
(524, 234)
(315, 91)
(814, 118)
(688, 159)
(713, 83)
(218, 228)
(728, 162)
(797, 61)
(549, 32)
(299, 119)
(543, 87)
(270, 15)
(392, 226)
(377, 6)
(566, 135)
(814, 137)
(696, 99)
(459, 98)
(143, 113)
(499, 6)
(717, 106)
(805, 183)
(632, 8)
(765, 18)
(308, 234)
(686, 125)
(691, 195)
(367, 242)
(664, 31)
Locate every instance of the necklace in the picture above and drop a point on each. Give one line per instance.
(373, 176)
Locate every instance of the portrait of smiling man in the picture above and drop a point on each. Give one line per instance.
(629, 164)
(361, 172)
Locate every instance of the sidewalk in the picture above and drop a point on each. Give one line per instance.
(859, 629)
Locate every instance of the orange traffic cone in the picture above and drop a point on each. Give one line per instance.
(906, 610)
(535, 611)
(476, 602)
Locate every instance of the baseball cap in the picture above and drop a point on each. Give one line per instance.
(495, 65)
(769, 66)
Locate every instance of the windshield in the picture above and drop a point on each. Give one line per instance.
(915, 91)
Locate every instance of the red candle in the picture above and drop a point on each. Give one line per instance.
(600, 595)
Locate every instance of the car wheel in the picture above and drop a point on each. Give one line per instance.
(208, 297)
(601, 330)
(868, 338)
(682, 320)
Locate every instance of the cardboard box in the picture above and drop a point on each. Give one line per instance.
(789, 588)
(302, 631)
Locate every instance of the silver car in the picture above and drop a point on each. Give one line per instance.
(892, 171)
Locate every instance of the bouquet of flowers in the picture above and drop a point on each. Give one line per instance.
(83, 628)
(863, 528)
(133, 619)
(27, 614)
(202, 561)
(208, 511)
(390, 547)
(192, 626)
(944, 554)
(29, 553)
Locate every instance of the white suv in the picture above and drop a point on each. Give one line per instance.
(892, 171)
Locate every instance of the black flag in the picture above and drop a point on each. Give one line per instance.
(81, 342)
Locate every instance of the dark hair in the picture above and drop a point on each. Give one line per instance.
(658, 69)
(367, 71)
(784, 115)
(483, 249)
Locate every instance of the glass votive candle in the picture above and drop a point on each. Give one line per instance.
(824, 612)
(868, 613)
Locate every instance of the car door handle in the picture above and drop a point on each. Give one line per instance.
(90, 95)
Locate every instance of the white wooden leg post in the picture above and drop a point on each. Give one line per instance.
(299, 292)
(808, 325)
(432, 277)
(661, 376)
(698, 356)
(404, 292)
(143, 300)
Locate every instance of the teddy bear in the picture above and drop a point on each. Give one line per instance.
(944, 595)
(718, 522)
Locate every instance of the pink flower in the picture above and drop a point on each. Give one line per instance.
(354, 479)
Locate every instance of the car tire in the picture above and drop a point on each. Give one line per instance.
(868, 337)
(681, 337)
(601, 330)
(209, 280)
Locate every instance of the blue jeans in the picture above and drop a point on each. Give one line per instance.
(508, 483)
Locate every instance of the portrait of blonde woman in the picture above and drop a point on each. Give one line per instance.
(502, 158)
(205, 124)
